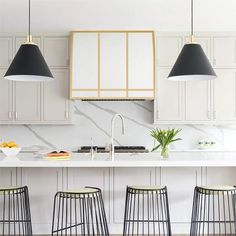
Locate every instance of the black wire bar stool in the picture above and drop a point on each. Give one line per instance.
(79, 212)
(213, 211)
(146, 211)
(15, 217)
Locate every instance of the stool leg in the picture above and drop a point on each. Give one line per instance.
(54, 213)
(168, 214)
(234, 210)
(126, 212)
(193, 220)
(28, 213)
(103, 212)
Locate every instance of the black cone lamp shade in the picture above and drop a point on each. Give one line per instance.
(28, 65)
(192, 64)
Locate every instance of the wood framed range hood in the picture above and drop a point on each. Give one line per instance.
(112, 65)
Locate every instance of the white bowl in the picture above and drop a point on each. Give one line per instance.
(10, 151)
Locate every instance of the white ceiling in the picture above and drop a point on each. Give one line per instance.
(162, 15)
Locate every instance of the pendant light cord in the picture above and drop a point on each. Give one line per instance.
(30, 39)
(192, 22)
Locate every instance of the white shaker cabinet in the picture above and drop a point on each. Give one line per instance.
(169, 97)
(55, 94)
(180, 198)
(56, 51)
(212, 177)
(224, 95)
(26, 101)
(197, 101)
(197, 105)
(224, 52)
(168, 49)
(26, 98)
(37, 102)
(5, 98)
(56, 105)
(6, 51)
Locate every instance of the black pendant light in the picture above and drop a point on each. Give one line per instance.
(192, 64)
(29, 64)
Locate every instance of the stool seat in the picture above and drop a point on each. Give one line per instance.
(82, 190)
(10, 189)
(147, 187)
(85, 192)
(218, 188)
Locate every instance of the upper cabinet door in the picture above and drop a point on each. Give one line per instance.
(27, 101)
(197, 93)
(169, 98)
(5, 51)
(197, 101)
(168, 49)
(224, 101)
(84, 65)
(141, 61)
(56, 97)
(113, 61)
(5, 98)
(224, 49)
(56, 51)
(26, 95)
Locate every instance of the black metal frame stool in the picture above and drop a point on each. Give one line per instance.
(146, 211)
(15, 217)
(79, 212)
(214, 211)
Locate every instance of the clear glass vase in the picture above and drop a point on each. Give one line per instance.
(165, 152)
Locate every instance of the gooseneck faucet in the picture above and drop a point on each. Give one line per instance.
(112, 148)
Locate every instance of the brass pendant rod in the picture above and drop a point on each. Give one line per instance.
(192, 22)
(29, 38)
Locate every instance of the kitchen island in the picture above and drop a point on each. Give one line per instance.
(180, 172)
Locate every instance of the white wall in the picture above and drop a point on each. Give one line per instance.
(162, 15)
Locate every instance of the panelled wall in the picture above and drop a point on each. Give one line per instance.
(49, 101)
(197, 102)
(43, 183)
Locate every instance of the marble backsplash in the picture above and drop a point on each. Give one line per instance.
(93, 120)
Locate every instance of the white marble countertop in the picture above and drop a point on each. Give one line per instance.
(175, 159)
